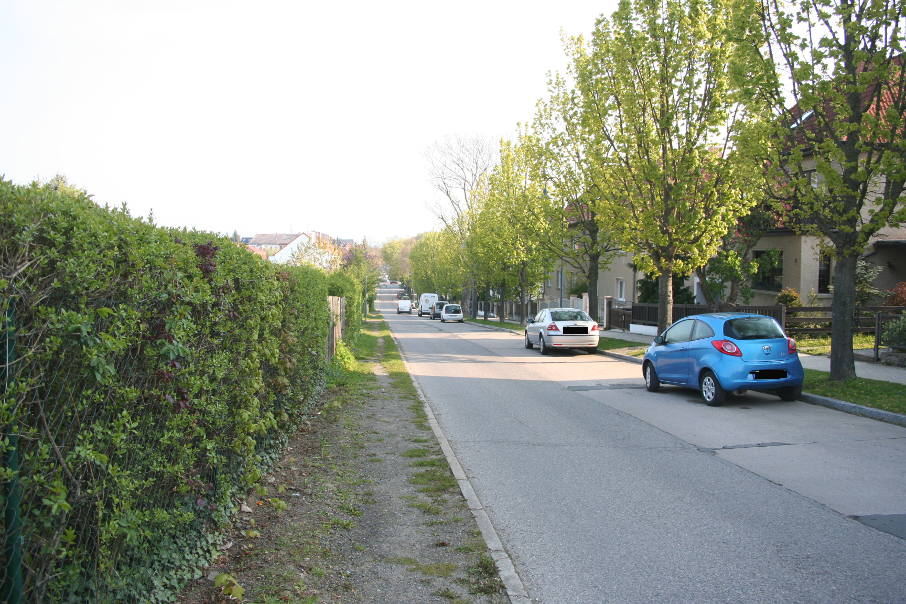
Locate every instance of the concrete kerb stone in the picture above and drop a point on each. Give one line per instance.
(870, 412)
(515, 589)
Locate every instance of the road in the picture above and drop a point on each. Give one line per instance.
(603, 492)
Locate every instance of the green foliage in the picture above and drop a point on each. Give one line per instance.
(344, 283)
(789, 296)
(160, 371)
(866, 273)
(895, 334)
(658, 85)
(648, 291)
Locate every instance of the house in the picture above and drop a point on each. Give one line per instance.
(273, 241)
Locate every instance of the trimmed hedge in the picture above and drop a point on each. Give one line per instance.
(158, 372)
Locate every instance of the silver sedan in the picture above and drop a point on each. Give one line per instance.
(561, 328)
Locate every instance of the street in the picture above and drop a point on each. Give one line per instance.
(603, 492)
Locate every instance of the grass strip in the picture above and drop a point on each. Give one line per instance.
(495, 323)
(822, 344)
(861, 391)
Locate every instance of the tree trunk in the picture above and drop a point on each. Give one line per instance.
(664, 300)
(842, 362)
(501, 311)
(594, 262)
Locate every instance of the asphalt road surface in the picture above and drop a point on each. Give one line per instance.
(603, 492)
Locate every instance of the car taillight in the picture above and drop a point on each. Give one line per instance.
(791, 346)
(727, 347)
(594, 327)
(553, 327)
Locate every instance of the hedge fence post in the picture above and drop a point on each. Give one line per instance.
(11, 590)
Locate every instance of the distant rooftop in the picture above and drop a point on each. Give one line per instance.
(280, 239)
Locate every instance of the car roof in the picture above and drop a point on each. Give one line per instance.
(721, 317)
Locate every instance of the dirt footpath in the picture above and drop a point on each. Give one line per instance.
(363, 507)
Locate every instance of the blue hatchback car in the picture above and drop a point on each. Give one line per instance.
(725, 352)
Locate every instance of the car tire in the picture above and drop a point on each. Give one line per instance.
(652, 382)
(790, 393)
(442, 320)
(592, 350)
(528, 343)
(462, 320)
(711, 390)
(542, 347)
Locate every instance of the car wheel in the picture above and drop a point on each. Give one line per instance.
(542, 346)
(652, 383)
(592, 350)
(528, 342)
(462, 320)
(711, 390)
(442, 320)
(790, 393)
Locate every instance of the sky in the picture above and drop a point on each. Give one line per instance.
(269, 116)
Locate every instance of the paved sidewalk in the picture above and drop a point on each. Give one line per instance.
(871, 371)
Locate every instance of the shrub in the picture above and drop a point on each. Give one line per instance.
(898, 295)
(159, 370)
(895, 334)
(789, 297)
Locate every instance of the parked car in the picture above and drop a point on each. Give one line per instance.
(561, 328)
(725, 352)
(451, 312)
(404, 305)
(438, 306)
(426, 303)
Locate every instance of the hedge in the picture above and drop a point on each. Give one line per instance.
(158, 371)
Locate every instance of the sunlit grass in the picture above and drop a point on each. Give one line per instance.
(861, 391)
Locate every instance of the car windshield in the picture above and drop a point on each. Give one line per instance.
(451, 308)
(569, 315)
(752, 328)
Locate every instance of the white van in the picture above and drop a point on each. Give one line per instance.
(425, 302)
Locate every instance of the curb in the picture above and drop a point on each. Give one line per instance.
(515, 590)
(854, 409)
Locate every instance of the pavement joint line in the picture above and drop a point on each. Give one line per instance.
(515, 589)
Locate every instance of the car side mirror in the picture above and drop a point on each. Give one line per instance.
(658, 340)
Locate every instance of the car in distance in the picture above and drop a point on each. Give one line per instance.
(718, 353)
(404, 305)
(438, 306)
(561, 328)
(426, 303)
(451, 312)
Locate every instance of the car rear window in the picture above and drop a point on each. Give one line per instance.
(569, 315)
(752, 328)
(452, 308)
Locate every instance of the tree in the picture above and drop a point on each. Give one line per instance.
(459, 169)
(506, 236)
(659, 101)
(437, 263)
(727, 276)
(395, 255)
(834, 76)
(575, 209)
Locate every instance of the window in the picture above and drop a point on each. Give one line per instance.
(753, 328)
(701, 330)
(681, 332)
(769, 275)
(824, 274)
(621, 289)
